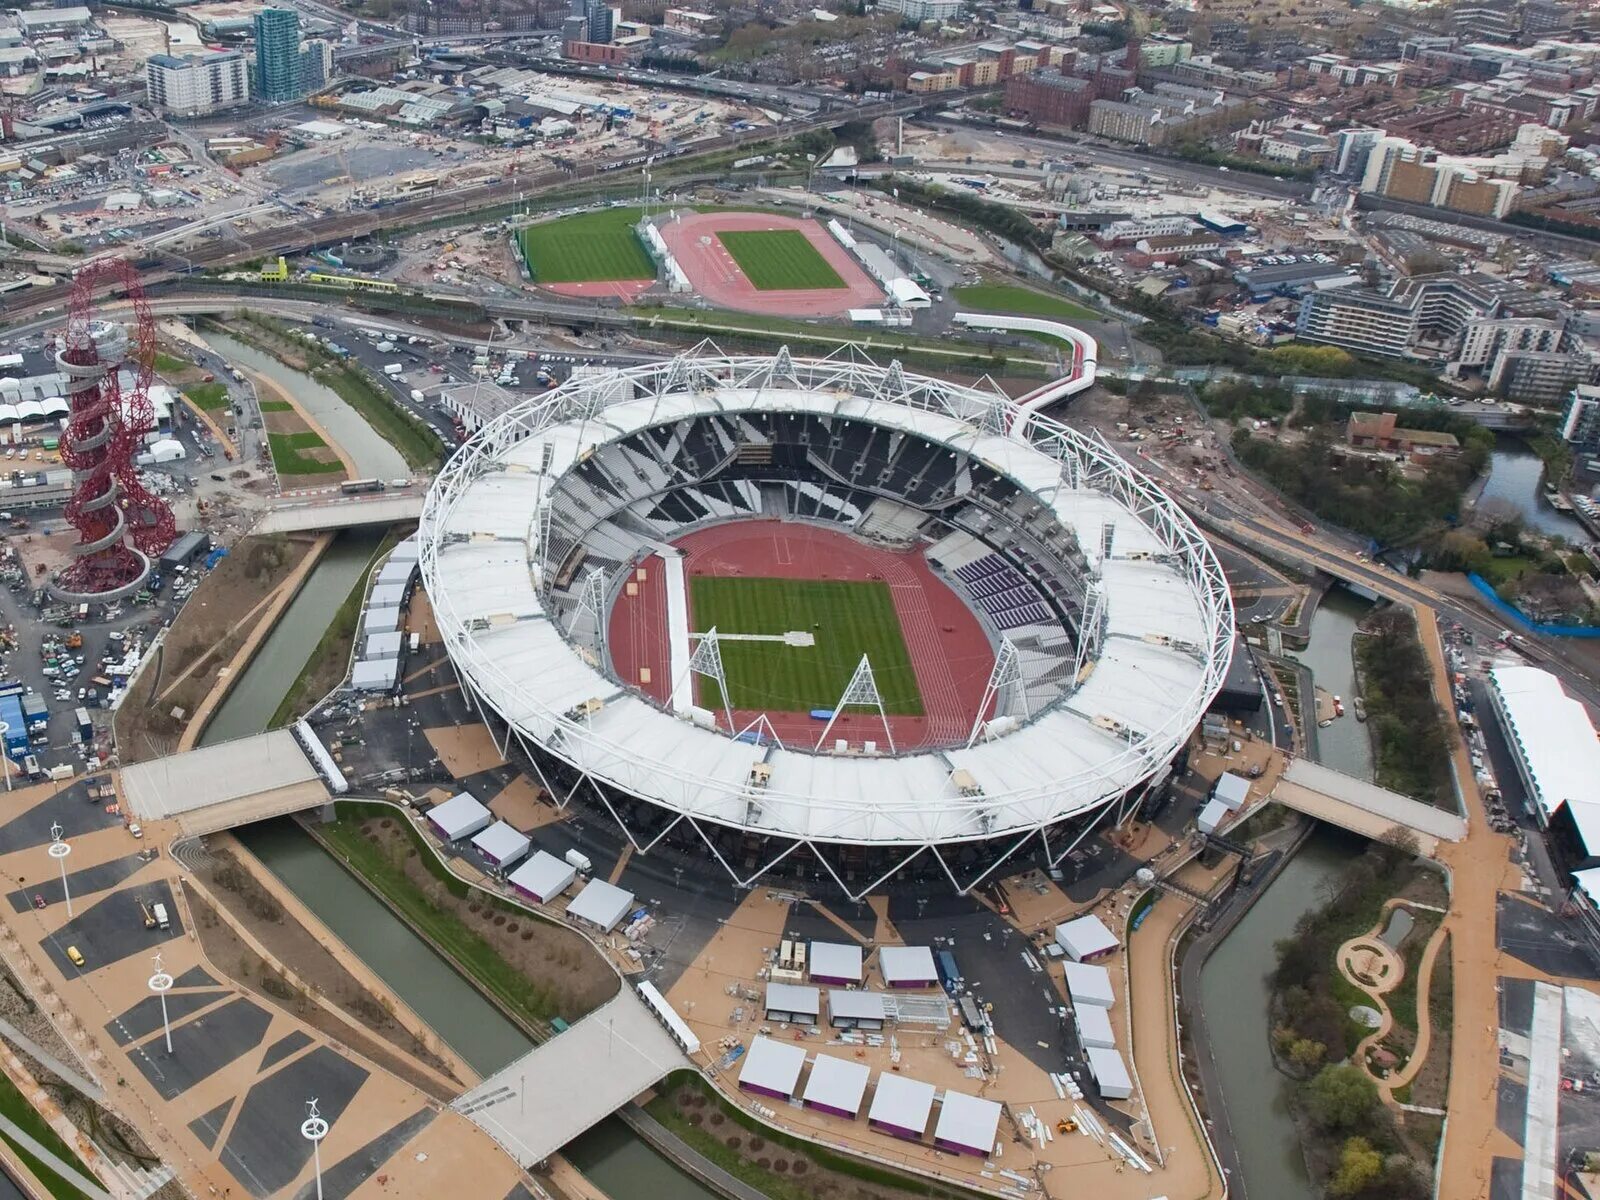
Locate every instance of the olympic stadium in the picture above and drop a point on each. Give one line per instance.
(824, 618)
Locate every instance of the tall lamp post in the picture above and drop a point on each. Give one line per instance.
(59, 851)
(5, 757)
(161, 984)
(314, 1129)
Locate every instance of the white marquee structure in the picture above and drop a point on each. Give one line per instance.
(571, 480)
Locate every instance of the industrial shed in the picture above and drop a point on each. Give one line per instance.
(459, 817)
(772, 1068)
(1233, 790)
(381, 620)
(1094, 1027)
(856, 1010)
(837, 1086)
(1089, 984)
(543, 877)
(793, 1003)
(1086, 939)
(967, 1125)
(389, 595)
(1110, 1073)
(901, 1106)
(384, 645)
(908, 967)
(380, 676)
(600, 905)
(502, 845)
(1212, 816)
(836, 963)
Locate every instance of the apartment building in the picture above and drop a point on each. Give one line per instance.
(1432, 311)
(1580, 420)
(194, 85)
(1402, 170)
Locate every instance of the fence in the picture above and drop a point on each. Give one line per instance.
(1517, 617)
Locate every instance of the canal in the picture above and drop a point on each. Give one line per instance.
(1516, 477)
(1344, 745)
(374, 458)
(1236, 994)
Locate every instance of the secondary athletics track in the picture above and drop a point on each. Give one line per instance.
(692, 238)
(949, 651)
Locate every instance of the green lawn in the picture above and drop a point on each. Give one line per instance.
(169, 365)
(213, 397)
(276, 406)
(848, 619)
(1004, 298)
(15, 1106)
(588, 247)
(780, 260)
(286, 448)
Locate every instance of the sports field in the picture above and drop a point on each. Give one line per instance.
(779, 260)
(848, 619)
(590, 247)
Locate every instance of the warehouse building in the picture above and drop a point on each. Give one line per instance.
(835, 963)
(772, 1068)
(908, 967)
(459, 817)
(836, 1086)
(793, 1003)
(901, 1106)
(543, 877)
(600, 906)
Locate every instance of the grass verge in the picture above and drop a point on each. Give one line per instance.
(417, 443)
(16, 1107)
(287, 456)
(1022, 301)
(213, 397)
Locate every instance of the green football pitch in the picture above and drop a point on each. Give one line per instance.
(590, 247)
(780, 260)
(847, 619)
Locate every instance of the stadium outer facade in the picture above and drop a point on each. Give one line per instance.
(1151, 646)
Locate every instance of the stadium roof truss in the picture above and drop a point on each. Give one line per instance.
(1161, 623)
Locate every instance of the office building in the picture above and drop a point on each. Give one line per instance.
(193, 85)
(278, 55)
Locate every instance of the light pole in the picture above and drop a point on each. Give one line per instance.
(59, 851)
(161, 984)
(5, 756)
(314, 1129)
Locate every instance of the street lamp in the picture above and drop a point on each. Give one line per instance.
(5, 757)
(314, 1129)
(59, 851)
(161, 984)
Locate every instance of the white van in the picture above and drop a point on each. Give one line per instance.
(394, 370)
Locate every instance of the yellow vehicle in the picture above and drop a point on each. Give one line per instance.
(75, 955)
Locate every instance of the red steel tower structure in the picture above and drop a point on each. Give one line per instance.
(119, 523)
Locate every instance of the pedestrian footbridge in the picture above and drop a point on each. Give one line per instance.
(564, 1087)
(234, 783)
(1363, 807)
(337, 511)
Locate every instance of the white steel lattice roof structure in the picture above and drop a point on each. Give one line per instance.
(1161, 650)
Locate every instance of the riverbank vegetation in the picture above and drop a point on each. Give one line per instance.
(1353, 1144)
(535, 969)
(1412, 740)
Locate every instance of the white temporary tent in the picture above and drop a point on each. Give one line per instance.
(502, 844)
(835, 962)
(1094, 1027)
(836, 1085)
(793, 1002)
(601, 904)
(544, 876)
(460, 816)
(772, 1068)
(1233, 790)
(908, 966)
(1089, 984)
(1110, 1073)
(1085, 938)
(967, 1124)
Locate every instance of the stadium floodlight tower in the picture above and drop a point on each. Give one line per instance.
(118, 522)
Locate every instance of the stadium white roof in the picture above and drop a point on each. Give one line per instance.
(856, 1006)
(601, 903)
(1168, 617)
(502, 842)
(907, 964)
(1552, 735)
(968, 1121)
(835, 960)
(1084, 937)
(794, 998)
(544, 875)
(837, 1083)
(460, 816)
(1089, 984)
(901, 1102)
(772, 1065)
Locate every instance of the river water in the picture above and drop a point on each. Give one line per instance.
(1344, 745)
(374, 458)
(1516, 477)
(1235, 994)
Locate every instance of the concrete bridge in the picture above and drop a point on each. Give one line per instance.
(1363, 807)
(339, 511)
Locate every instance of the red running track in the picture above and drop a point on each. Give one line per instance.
(625, 290)
(693, 240)
(949, 652)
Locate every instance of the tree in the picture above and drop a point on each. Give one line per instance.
(1360, 1166)
(1306, 1054)
(1341, 1097)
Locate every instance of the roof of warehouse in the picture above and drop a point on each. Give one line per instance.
(502, 841)
(901, 1102)
(835, 960)
(907, 964)
(544, 874)
(773, 1065)
(837, 1082)
(603, 903)
(381, 620)
(793, 998)
(858, 1006)
(375, 674)
(1085, 936)
(1108, 1068)
(1233, 790)
(459, 815)
(968, 1121)
(1089, 983)
(1094, 1025)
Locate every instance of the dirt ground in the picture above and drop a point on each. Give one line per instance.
(553, 958)
(318, 967)
(213, 624)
